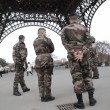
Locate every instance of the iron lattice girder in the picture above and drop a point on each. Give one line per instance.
(3, 22)
(52, 14)
(18, 20)
(39, 6)
(87, 9)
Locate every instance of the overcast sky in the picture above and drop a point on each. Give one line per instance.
(100, 29)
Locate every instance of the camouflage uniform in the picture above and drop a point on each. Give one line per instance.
(94, 62)
(44, 64)
(74, 36)
(19, 57)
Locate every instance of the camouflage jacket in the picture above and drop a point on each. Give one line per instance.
(19, 52)
(43, 47)
(74, 36)
(93, 55)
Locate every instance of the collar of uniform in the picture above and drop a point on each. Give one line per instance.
(21, 42)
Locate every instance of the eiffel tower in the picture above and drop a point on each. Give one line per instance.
(51, 14)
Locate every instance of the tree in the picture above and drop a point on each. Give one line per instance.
(103, 50)
(3, 62)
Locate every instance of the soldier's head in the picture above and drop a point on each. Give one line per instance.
(73, 17)
(21, 38)
(90, 41)
(42, 32)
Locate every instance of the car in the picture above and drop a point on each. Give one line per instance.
(7, 69)
(12, 69)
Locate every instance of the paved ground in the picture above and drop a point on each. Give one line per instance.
(61, 88)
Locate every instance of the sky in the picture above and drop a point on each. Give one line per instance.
(99, 29)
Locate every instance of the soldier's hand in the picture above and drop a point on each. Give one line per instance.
(78, 55)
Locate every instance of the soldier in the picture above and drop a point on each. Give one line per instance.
(93, 57)
(43, 47)
(74, 37)
(94, 63)
(19, 57)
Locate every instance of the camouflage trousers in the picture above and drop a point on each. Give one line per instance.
(95, 70)
(44, 82)
(81, 76)
(19, 78)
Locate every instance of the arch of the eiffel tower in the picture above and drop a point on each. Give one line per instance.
(51, 14)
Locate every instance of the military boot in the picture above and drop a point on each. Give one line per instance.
(16, 93)
(49, 98)
(92, 101)
(42, 99)
(80, 103)
(26, 90)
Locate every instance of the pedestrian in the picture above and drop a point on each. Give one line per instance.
(43, 47)
(1, 70)
(19, 57)
(29, 68)
(74, 38)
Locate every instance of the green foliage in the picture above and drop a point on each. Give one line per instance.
(3, 62)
